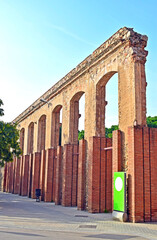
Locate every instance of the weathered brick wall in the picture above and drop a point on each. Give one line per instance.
(59, 174)
(49, 175)
(142, 174)
(42, 174)
(17, 176)
(35, 173)
(70, 175)
(65, 178)
(100, 175)
(5, 179)
(21, 169)
(30, 175)
(81, 190)
(24, 187)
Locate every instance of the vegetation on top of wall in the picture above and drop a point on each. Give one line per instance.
(108, 131)
(80, 134)
(9, 140)
(152, 122)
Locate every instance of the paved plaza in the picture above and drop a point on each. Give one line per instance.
(24, 218)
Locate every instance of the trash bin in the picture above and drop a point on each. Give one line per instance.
(38, 194)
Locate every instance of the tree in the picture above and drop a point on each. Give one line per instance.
(152, 122)
(80, 134)
(9, 136)
(108, 131)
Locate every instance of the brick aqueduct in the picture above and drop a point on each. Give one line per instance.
(81, 174)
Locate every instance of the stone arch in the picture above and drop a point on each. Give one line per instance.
(22, 138)
(30, 143)
(74, 117)
(41, 133)
(55, 127)
(101, 103)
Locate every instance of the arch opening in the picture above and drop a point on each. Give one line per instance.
(56, 126)
(102, 102)
(30, 144)
(41, 133)
(75, 117)
(111, 118)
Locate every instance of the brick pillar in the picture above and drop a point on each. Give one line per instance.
(142, 169)
(105, 193)
(67, 175)
(5, 178)
(74, 174)
(11, 177)
(8, 176)
(109, 176)
(24, 187)
(146, 172)
(50, 154)
(58, 190)
(103, 174)
(54, 175)
(135, 175)
(42, 174)
(17, 176)
(57, 126)
(30, 175)
(74, 120)
(35, 173)
(94, 175)
(100, 175)
(81, 175)
(153, 171)
(117, 150)
(14, 171)
(21, 168)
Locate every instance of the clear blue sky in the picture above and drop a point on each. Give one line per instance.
(41, 41)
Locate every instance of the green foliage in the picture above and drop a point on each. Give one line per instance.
(9, 145)
(80, 134)
(108, 131)
(152, 122)
(1, 110)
